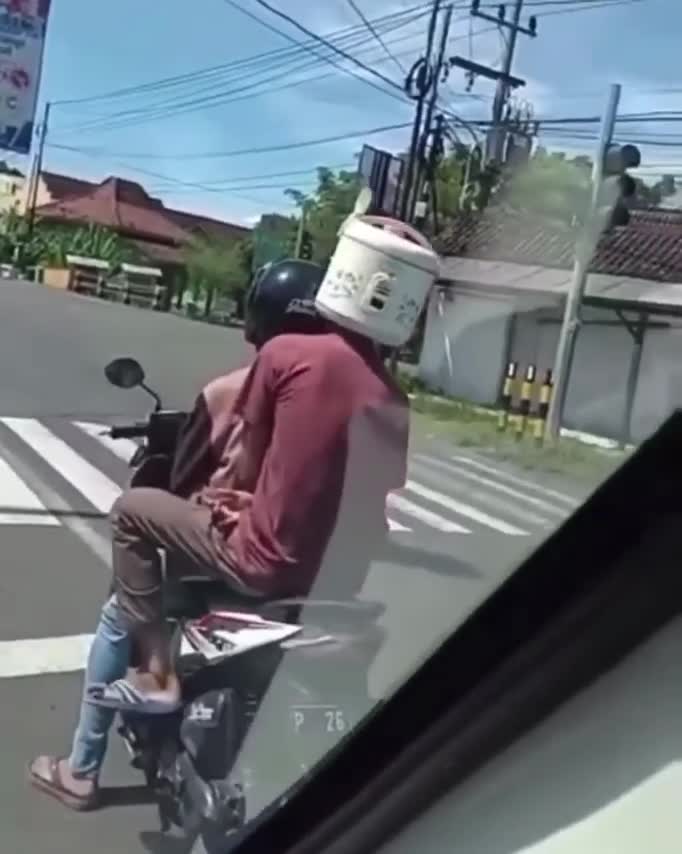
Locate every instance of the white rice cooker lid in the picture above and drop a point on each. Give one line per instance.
(397, 247)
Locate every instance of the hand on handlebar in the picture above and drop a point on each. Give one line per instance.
(128, 431)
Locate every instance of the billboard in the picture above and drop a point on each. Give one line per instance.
(382, 173)
(23, 24)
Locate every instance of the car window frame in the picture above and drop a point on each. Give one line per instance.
(572, 610)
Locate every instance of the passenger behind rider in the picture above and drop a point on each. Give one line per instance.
(322, 428)
(205, 455)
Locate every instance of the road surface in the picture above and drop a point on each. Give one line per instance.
(460, 526)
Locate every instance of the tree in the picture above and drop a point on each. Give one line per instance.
(555, 186)
(548, 185)
(326, 209)
(53, 243)
(273, 239)
(50, 243)
(450, 176)
(218, 269)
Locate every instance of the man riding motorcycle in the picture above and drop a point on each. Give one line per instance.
(208, 445)
(205, 455)
(306, 402)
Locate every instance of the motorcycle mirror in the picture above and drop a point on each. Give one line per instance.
(125, 373)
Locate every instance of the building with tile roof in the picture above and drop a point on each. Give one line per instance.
(504, 280)
(650, 247)
(126, 208)
(158, 233)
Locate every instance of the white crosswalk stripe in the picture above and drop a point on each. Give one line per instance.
(93, 484)
(464, 509)
(23, 505)
(455, 496)
(495, 485)
(562, 497)
(433, 520)
(121, 448)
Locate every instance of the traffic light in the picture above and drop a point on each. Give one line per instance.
(619, 186)
(306, 252)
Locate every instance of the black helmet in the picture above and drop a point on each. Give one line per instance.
(282, 299)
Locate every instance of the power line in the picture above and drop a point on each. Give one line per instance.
(187, 185)
(168, 110)
(219, 183)
(326, 43)
(328, 59)
(358, 11)
(174, 80)
(574, 3)
(229, 190)
(598, 4)
(131, 117)
(289, 146)
(134, 117)
(208, 186)
(161, 109)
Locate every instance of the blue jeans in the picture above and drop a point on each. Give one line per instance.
(108, 660)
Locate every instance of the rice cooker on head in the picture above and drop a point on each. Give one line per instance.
(378, 279)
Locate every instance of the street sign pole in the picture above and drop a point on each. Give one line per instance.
(584, 251)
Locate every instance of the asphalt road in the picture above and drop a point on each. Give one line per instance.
(458, 529)
(53, 348)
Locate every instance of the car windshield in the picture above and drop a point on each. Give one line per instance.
(486, 197)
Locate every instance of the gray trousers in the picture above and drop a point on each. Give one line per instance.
(145, 520)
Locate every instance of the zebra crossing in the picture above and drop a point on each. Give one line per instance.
(455, 494)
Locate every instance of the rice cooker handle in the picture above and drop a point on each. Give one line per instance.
(399, 227)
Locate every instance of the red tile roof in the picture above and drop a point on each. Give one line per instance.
(64, 186)
(121, 205)
(215, 229)
(649, 247)
(125, 206)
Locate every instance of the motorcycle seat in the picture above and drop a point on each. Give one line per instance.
(197, 595)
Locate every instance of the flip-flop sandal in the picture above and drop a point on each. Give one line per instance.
(124, 697)
(53, 785)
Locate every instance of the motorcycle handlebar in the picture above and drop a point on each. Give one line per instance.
(129, 431)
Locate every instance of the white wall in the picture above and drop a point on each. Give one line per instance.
(603, 775)
(465, 345)
(660, 378)
(596, 394)
(481, 337)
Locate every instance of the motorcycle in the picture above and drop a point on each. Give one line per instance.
(297, 666)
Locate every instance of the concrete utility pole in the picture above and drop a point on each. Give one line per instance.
(496, 142)
(505, 81)
(301, 229)
(421, 78)
(428, 194)
(37, 168)
(428, 122)
(584, 252)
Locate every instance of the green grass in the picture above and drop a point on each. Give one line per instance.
(475, 427)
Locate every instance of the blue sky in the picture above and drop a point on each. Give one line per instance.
(97, 47)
